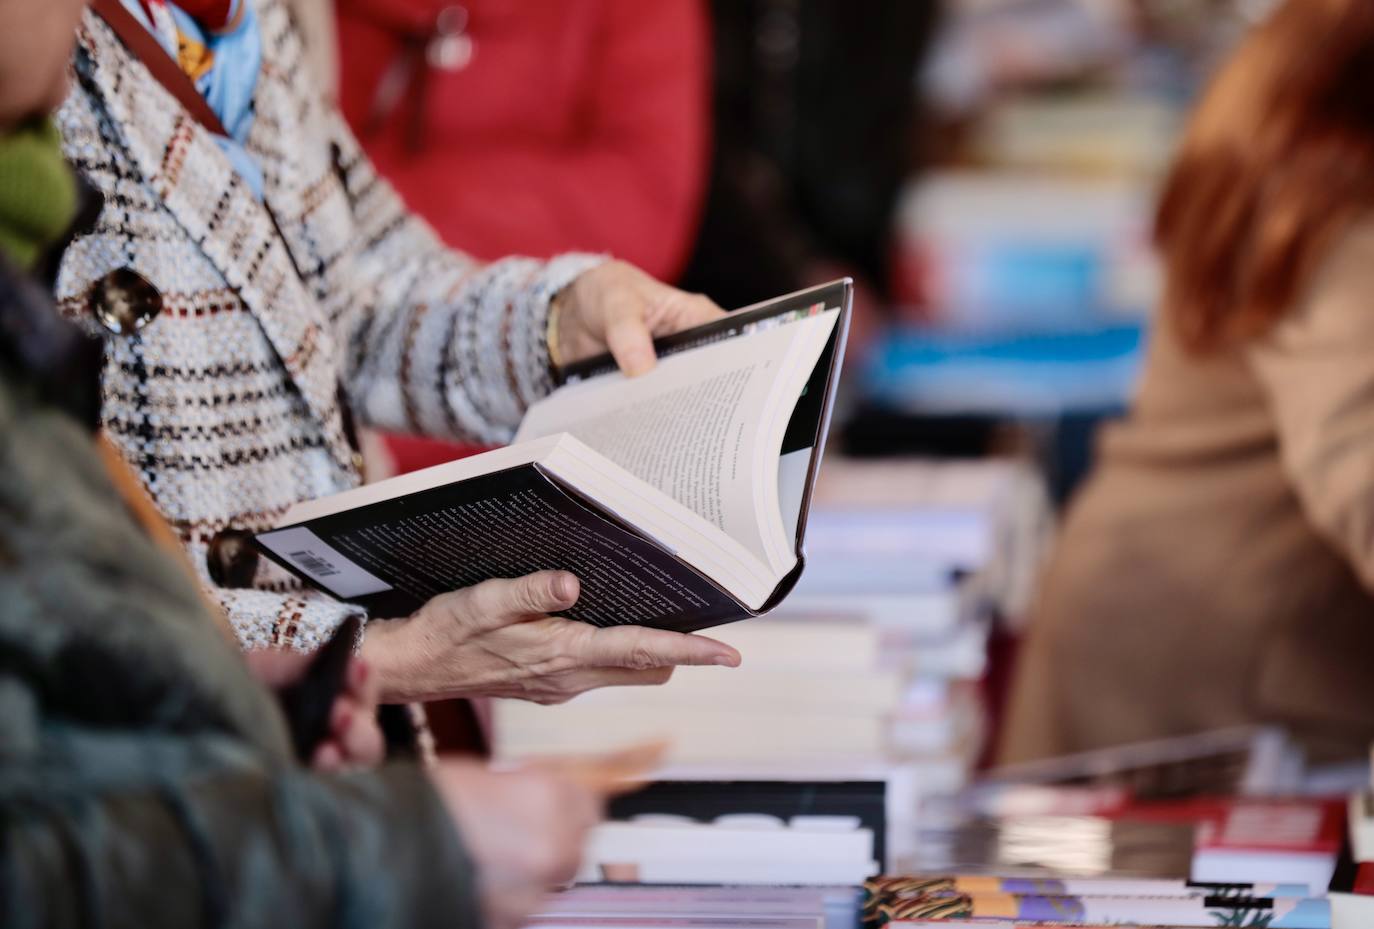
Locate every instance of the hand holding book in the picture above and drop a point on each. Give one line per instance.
(619, 309)
(496, 639)
(667, 503)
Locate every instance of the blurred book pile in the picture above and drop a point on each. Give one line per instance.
(1098, 860)
(1022, 266)
(1208, 830)
(1022, 273)
(955, 902)
(1352, 888)
(867, 679)
(1022, 293)
(624, 907)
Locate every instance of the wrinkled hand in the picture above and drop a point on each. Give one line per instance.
(619, 308)
(354, 738)
(524, 829)
(496, 640)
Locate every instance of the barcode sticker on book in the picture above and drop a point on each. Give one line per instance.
(314, 563)
(323, 563)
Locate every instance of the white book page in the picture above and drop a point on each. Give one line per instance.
(792, 470)
(701, 426)
(681, 531)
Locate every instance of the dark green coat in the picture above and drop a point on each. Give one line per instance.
(146, 779)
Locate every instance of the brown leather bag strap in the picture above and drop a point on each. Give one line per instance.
(164, 68)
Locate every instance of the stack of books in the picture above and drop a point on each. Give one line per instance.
(620, 907)
(1281, 841)
(810, 694)
(742, 849)
(990, 902)
(1204, 830)
(999, 252)
(872, 660)
(1352, 888)
(867, 674)
(1189, 863)
(1210, 807)
(1185, 832)
(907, 533)
(1195, 863)
(1026, 294)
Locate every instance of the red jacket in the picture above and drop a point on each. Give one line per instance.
(575, 125)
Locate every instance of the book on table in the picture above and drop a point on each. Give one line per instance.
(678, 497)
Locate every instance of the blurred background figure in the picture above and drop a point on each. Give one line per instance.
(816, 129)
(1217, 568)
(533, 128)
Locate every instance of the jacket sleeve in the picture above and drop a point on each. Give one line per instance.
(302, 620)
(1317, 367)
(236, 849)
(441, 345)
(145, 777)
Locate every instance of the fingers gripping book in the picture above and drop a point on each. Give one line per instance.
(678, 497)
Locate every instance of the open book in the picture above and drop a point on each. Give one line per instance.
(678, 497)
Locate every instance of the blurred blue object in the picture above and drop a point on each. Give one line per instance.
(1050, 285)
(938, 372)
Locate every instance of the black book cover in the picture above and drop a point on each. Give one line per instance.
(505, 524)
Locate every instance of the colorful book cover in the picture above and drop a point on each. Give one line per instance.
(890, 903)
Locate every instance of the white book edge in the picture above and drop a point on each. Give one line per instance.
(1361, 826)
(632, 841)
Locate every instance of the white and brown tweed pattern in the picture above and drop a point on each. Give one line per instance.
(227, 403)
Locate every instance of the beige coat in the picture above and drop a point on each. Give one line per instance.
(1218, 568)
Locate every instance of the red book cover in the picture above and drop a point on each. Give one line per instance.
(1301, 824)
(1312, 826)
(1364, 880)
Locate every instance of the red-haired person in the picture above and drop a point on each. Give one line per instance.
(1218, 569)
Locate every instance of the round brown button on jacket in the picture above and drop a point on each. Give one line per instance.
(231, 559)
(124, 301)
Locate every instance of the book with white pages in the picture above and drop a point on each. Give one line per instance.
(679, 497)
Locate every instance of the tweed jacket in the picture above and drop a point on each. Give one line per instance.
(224, 388)
(145, 778)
